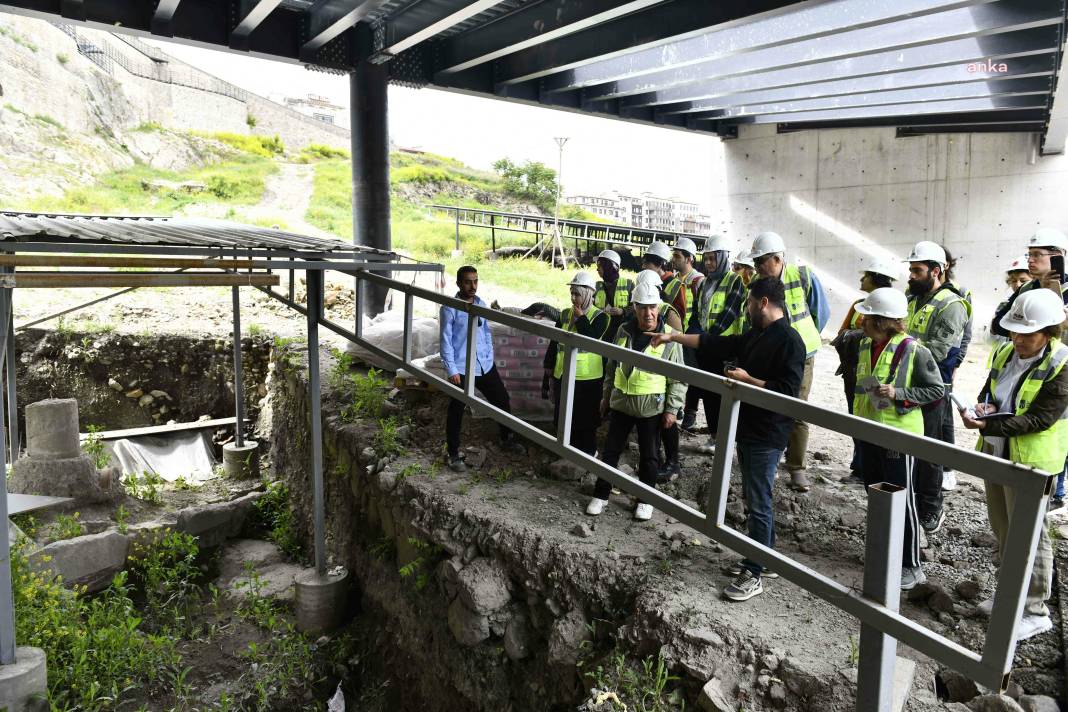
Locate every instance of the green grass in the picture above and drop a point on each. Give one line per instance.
(17, 38)
(262, 146)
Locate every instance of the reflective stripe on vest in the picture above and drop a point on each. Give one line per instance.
(588, 366)
(711, 302)
(621, 298)
(639, 382)
(908, 419)
(919, 320)
(798, 283)
(1048, 448)
(856, 317)
(671, 289)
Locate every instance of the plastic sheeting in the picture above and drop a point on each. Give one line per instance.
(386, 331)
(186, 454)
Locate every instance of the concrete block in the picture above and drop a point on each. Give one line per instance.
(321, 601)
(24, 683)
(241, 463)
(74, 477)
(52, 429)
(213, 524)
(90, 560)
(904, 676)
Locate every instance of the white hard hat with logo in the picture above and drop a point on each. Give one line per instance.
(885, 301)
(1033, 311)
(1049, 237)
(717, 243)
(883, 267)
(645, 294)
(648, 276)
(583, 279)
(611, 256)
(744, 258)
(1018, 265)
(685, 244)
(659, 249)
(767, 243)
(926, 251)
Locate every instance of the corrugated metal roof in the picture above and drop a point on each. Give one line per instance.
(184, 232)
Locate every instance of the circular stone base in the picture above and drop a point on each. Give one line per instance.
(24, 683)
(241, 463)
(321, 601)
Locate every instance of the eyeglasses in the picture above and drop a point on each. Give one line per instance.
(761, 260)
(1035, 255)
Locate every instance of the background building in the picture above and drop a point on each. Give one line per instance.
(646, 211)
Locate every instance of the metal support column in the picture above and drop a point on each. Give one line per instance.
(7, 602)
(239, 376)
(12, 378)
(566, 395)
(716, 501)
(882, 584)
(471, 362)
(370, 170)
(457, 230)
(314, 279)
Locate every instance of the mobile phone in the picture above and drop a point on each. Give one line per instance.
(729, 365)
(1056, 264)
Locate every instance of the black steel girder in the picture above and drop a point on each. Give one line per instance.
(253, 14)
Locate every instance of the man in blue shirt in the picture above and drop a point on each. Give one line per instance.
(453, 324)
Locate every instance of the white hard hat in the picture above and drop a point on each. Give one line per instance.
(583, 279)
(717, 243)
(767, 243)
(687, 245)
(611, 256)
(1048, 237)
(885, 301)
(1018, 265)
(925, 251)
(648, 276)
(743, 258)
(645, 294)
(1033, 310)
(659, 249)
(883, 267)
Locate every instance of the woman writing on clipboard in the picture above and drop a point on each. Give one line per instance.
(1020, 417)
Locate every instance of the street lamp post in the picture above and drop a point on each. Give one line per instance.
(558, 242)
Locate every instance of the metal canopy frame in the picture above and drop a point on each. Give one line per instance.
(686, 64)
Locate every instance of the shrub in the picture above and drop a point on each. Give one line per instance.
(274, 515)
(66, 526)
(317, 151)
(251, 121)
(367, 393)
(147, 486)
(62, 58)
(264, 146)
(94, 447)
(165, 571)
(420, 174)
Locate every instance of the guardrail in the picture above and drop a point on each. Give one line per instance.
(876, 607)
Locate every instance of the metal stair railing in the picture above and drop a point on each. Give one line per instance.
(876, 606)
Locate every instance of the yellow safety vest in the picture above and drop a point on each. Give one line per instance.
(671, 289)
(639, 382)
(712, 301)
(798, 282)
(621, 299)
(907, 419)
(588, 366)
(919, 320)
(1047, 449)
(856, 317)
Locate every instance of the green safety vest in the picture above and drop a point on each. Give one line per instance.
(639, 382)
(919, 320)
(588, 366)
(711, 302)
(621, 299)
(1047, 449)
(798, 283)
(908, 419)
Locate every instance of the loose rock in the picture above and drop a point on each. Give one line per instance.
(994, 703)
(713, 698)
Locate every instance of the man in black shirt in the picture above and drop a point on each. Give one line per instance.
(770, 355)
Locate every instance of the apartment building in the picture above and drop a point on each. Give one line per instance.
(646, 210)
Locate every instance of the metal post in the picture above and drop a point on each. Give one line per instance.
(239, 379)
(370, 165)
(12, 378)
(493, 233)
(292, 287)
(7, 603)
(408, 307)
(472, 353)
(882, 584)
(716, 502)
(315, 277)
(457, 230)
(566, 395)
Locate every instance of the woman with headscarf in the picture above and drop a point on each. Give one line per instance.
(585, 319)
(611, 293)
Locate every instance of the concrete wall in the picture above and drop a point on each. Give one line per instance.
(838, 196)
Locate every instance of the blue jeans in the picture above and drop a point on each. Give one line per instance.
(759, 463)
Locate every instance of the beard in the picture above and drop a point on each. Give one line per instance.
(919, 287)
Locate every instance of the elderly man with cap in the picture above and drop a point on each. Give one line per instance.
(937, 317)
(612, 294)
(717, 310)
(658, 259)
(652, 278)
(585, 319)
(635, 399)
(808, 311)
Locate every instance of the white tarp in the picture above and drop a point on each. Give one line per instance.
(186, 454)
(386, 331)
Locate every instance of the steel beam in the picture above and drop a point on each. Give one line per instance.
(15, 441)
(895, 113)
(1055, 135)
(887, 40)
(239, 379)
(254, 16)
(7, 602)
(333, 18)
(163, 17)
(807, 22)
(414, 26)
(314, 282)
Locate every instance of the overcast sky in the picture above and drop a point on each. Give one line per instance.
(601, 155)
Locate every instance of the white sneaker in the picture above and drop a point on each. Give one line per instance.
(1030, 626)
(949, 481)
(596, 506)
(708, 448)
(643, 512)
(985, 608)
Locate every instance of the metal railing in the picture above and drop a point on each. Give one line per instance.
(876, 607)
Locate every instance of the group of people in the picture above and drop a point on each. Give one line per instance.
(756, 317)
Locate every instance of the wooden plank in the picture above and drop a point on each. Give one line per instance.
(24, 260)
(160, 429)
(136, 279)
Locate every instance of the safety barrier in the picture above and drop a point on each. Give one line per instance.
(876, 607)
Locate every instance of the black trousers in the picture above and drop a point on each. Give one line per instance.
(929, 475)
(895, 468)
(585, 413)
(709, 400)
(492, 389)
(619, 427)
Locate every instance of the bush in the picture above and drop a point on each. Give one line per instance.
(320, 151)
(264, 146)
(165, 571)
(420, 174)
(274, 515)
(62, 58)
(94, 447)
(251, 121)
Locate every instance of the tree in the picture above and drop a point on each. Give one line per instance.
(533, 181)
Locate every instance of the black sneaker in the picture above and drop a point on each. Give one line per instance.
(689, 419)
(1055, 503)
(736, 569)
(457, 464)
(744, 587)
(933, 521)
(668, 473)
